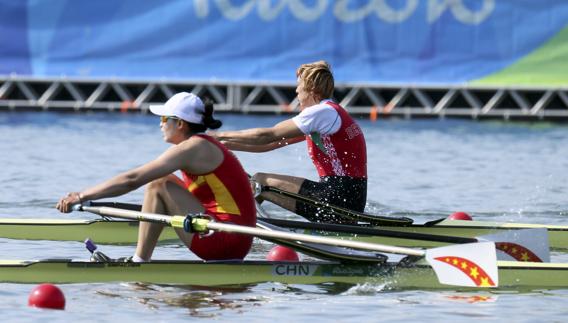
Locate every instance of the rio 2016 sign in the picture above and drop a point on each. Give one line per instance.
(344, 10)
(366, 41)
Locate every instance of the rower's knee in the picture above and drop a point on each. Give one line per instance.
(259, 178)
(157, 186)
(262, 178)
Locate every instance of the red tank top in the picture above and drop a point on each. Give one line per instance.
(225, 193)
(343, 153)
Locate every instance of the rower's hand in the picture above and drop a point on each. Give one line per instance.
(217, 135)
(214, 134)
(65, 204)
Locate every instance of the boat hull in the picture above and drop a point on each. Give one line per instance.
(512, 275)
(126, 232)
(100, 231)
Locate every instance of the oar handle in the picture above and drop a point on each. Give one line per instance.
(176, 221)
(118, 205)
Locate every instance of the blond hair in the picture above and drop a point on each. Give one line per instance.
(317, 78)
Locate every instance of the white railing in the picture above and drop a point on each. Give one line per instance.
(375, 100)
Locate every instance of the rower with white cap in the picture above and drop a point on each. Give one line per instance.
(212, 183)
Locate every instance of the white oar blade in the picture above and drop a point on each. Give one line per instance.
(470, 264)
(521, 245)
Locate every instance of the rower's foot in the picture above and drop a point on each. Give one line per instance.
(98, 256)
(124, 259)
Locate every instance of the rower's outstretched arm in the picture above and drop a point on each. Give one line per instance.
(173, 159)
(261, 148)
(261, 139)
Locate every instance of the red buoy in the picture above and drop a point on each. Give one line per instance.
(460, 216)
(280, 253)
(47, 296)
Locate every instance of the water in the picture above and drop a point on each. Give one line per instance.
(423, 169)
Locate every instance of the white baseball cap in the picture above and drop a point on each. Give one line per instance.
(186, 106)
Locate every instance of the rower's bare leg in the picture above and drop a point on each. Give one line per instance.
(286, 183)
(164, 196)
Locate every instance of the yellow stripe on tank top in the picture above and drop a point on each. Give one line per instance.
(225, 201)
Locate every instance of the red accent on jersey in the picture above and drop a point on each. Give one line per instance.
(343, 153)
(225, 193)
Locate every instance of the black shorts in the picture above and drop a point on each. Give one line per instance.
(345, 192)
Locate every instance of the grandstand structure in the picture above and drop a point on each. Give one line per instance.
(378, 100)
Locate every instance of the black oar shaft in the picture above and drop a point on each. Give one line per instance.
(118, 205)
(127, 214)
(351, 229)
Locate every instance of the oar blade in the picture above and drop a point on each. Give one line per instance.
(470, 264)
(530, 245)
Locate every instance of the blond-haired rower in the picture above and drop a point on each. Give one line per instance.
(336, 146)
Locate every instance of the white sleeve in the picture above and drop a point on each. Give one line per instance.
(320, 118)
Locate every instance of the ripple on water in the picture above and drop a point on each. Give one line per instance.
(424, 169)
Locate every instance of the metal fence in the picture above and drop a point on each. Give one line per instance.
(375, 100)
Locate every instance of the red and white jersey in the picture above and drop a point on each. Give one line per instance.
(336, 144)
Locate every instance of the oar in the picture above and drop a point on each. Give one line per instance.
(472, 265)
(342, 212)
(118, 205)
(528, 245)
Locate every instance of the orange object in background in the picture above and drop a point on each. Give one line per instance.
(373, 114)
(125, 105)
